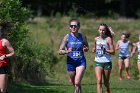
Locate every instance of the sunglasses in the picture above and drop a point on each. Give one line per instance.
(74, 26)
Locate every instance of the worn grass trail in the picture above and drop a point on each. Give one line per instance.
(125, 86)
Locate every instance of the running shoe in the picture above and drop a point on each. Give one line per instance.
(128, 76)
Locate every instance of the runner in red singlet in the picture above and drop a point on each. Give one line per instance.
(6, 51)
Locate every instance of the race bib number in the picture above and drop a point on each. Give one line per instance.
(99, 52)
(76, 54)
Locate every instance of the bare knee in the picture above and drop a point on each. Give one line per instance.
(120, 68)
(99, 82)
(70, 81)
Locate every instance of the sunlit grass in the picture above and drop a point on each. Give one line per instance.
(116, 86)
(49, 32)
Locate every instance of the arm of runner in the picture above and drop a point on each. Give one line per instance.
(111, 49)
(94, 46)
(10, 50)
(117, 45)
(86, 46)
(62, 49)
(132, 45)
(134, 49)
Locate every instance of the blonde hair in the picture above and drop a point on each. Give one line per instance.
(111, 31)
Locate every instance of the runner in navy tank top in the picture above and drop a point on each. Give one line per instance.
(74, 45)
(76, 57)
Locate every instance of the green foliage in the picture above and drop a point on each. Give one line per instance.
(11, 11)
(73, 12)
(32, 62)
(133, 67)
(138, 13)
(113, 15)
(40, 64)
(51, 36)
(125, 86)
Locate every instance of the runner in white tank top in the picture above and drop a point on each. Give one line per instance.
(104, 48)
(101, 55)
(137, 47)
(123, 47)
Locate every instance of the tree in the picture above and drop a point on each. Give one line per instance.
(125, 8)
(11, 11)
(32, 63)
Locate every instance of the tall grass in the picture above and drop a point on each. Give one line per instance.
(49, 32)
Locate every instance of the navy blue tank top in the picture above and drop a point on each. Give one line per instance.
(76, 43)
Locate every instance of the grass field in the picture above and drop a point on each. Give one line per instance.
(50, 31)
(116, 86)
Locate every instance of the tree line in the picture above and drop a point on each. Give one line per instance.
(124, 8)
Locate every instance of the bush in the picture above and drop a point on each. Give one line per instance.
(32, 62)
(11, 11)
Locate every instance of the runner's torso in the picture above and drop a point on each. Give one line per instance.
(101, 55)
(76, 43)
(2, 52)
(124, 49)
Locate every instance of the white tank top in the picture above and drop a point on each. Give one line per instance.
(102, 56)
(138, 46)
(124, 49)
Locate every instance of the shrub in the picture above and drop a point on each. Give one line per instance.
(32, 62)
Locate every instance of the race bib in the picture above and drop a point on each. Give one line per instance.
(76, 54)
(99, 52)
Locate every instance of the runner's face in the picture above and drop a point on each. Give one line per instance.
(123, 37)
(74, 27)
(102, 30)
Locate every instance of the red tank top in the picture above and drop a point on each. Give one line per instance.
(2, 52)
